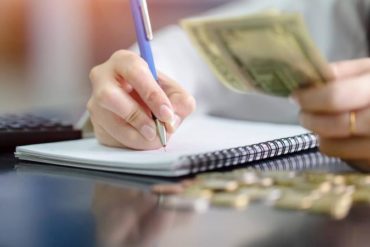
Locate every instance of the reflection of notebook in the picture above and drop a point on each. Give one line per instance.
(202, 143)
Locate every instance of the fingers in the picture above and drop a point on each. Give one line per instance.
(183, 103)
(113, 131)
(352, 68)
(337, 125)
(136, 72)
(362, 124)
(329, 126)
(124, 97)
(119, 102)
(356, 148)
(326, 110)
(339, 96)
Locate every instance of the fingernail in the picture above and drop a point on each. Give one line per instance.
(166, 114)
(148, 132)
(176, 122)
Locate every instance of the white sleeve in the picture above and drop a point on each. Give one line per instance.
(337, 27)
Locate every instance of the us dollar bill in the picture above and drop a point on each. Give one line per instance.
(271, 53)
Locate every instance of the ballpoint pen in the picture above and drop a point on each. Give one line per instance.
(144, 34)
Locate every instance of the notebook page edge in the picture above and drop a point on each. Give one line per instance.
(160, 173)
(37, 150)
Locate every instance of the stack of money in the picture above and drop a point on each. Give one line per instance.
(313, 192)
(270, 53)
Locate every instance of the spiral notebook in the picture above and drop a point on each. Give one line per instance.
(202, 143)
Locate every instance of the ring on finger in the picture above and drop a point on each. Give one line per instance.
(352, 123)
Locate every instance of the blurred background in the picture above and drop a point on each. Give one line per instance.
(48, 47)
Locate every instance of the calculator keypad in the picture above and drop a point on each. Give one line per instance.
(30, 122)
(16, 130)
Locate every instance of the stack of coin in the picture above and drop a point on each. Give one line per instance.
(310, 191)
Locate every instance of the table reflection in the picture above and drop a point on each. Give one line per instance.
(56, 206)
(128, 217)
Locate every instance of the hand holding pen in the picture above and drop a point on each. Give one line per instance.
(144, 34)
(125, 95)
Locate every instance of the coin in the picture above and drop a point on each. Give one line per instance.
(337, 206)
(361, 196)
(219, 185)
(357, 179)
(235, 200)
(259, 193)
(291, 199)
(197, 191)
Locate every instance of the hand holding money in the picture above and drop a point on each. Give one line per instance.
(340, 112)
(270, 53)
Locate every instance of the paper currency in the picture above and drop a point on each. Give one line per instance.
(271, 53)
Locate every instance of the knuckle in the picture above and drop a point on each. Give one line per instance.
(153, 97)
(94, 74)
(136, 68)
(131, 61)
(122, 55)
(105, 95)
(133, 116)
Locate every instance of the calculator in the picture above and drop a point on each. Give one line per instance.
(23, 129)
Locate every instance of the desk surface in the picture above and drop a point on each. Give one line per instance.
(49, 206)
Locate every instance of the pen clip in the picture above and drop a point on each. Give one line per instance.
(146, 19)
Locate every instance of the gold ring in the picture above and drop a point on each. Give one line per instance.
(352, 123)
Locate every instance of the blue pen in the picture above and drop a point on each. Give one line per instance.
(144, 34)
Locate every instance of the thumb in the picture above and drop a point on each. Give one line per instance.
(351, 68)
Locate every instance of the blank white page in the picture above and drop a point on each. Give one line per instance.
(197, 135)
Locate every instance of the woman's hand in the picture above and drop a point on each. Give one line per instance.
(327, 111)
(124, 95)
